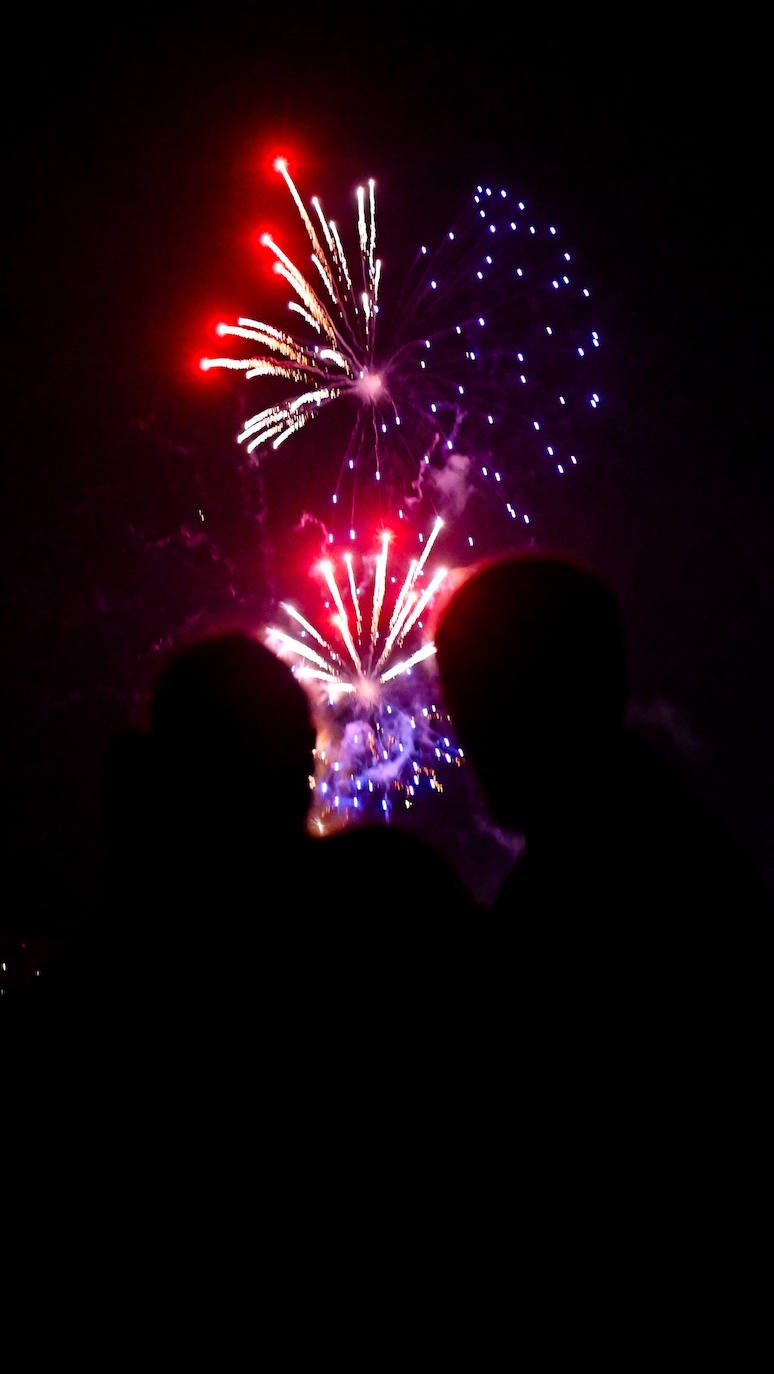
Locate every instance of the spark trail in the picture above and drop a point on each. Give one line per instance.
(458, 395)
(370, 677)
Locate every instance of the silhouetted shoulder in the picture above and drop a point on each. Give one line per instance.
(393, 870)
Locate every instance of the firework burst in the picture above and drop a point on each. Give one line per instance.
(381, 737)
(455, 396)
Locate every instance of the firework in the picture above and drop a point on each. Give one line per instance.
(456, 395)
(370, 676)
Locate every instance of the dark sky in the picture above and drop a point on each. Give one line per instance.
(136, 169)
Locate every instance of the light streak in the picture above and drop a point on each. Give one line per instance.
(479, 374)
(380, 735)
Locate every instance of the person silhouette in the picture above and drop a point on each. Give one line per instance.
(216, 893)
(629, 891)
(202, 807)
(252, 997)
(630, 943)
(532, 656)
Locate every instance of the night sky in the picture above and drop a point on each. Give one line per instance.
(136, 172)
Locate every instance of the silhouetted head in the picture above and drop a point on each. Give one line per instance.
(530, 651)
(233, 737)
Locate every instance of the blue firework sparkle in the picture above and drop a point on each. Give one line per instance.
(456, 395)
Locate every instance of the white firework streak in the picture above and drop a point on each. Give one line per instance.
(344, 320)
(367, 665)
(485, 361)
(378, 736)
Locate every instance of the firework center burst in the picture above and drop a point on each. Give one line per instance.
(370, 386)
